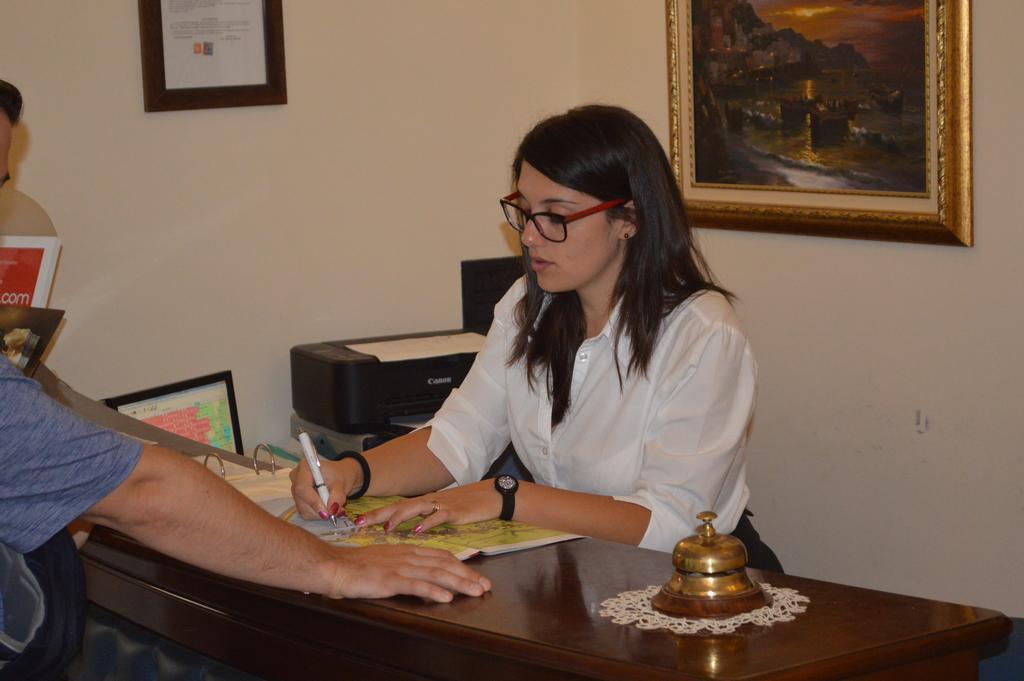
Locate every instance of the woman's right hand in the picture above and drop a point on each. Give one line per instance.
(339, 476)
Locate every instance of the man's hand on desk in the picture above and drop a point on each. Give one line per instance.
(383, 571)
(178, 507)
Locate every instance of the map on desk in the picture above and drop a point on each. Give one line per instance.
(490, 537)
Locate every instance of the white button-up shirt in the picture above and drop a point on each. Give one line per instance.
(671, 441)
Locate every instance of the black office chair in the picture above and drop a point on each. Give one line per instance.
(759, 555)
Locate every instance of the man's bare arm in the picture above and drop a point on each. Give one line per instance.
(183, 510)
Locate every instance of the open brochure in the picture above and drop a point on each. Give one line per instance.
(491, 537)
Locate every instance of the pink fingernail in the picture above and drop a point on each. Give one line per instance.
(335, 507)
(418, 529)
(324, 515)
(360, 520)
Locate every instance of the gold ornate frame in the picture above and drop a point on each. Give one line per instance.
(942, 217)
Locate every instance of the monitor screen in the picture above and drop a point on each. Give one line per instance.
(201, 409)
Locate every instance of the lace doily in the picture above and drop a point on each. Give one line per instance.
(634, 607)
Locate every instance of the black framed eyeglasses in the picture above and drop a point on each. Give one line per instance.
(551, 226)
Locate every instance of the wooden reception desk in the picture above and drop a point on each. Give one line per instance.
(541, 621)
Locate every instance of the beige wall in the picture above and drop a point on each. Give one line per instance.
(204, 240)
(854, 338)
(218, 239)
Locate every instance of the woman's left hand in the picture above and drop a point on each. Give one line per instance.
(471, 503)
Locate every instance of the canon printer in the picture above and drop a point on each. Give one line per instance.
(343, 387)
(361, 385)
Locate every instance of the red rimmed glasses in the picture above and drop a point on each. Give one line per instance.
(551, 226)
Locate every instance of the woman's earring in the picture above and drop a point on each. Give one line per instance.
(627, 235)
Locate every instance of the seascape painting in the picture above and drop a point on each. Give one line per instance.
(810, 95)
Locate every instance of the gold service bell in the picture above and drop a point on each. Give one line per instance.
(710, 578)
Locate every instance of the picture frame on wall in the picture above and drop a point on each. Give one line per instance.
(221, 53)
(843, 118)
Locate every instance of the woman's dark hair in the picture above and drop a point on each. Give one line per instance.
(10, 101)
(608, 153)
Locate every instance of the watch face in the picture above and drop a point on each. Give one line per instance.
(506, 483)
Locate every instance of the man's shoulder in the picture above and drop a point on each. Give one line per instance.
(15, 389)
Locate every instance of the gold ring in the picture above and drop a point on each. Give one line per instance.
(434, 507)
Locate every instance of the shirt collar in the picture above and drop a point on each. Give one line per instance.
(607, 332)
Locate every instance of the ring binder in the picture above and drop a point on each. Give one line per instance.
(206, 459)
(256, 455)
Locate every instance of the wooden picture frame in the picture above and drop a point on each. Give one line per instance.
(266, 45)
(937, 206)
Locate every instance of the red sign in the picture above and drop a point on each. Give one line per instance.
(19, 271)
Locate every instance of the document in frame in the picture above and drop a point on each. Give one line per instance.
(215, 43)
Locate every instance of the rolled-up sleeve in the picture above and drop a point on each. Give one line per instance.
(56, 465)
(693, 456)
(471, 429)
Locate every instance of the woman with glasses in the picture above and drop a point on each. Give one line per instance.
(615, 366)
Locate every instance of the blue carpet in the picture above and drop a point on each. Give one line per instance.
(1005, 660)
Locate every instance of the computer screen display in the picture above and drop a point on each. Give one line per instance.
(201, 409)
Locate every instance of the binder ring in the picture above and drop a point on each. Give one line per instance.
(206, 459)
(256, 455)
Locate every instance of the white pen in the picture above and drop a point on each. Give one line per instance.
(314, 466)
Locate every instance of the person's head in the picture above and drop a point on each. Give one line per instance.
(10, 114)
(640, 252)
(573, 241)
(607, 152)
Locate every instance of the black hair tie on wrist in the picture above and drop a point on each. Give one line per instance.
(361, 460)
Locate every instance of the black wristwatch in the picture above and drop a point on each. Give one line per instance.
(507, 487)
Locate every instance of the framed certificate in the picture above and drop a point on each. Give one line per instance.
(217, 53)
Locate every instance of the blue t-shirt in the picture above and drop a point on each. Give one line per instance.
(54, 465)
